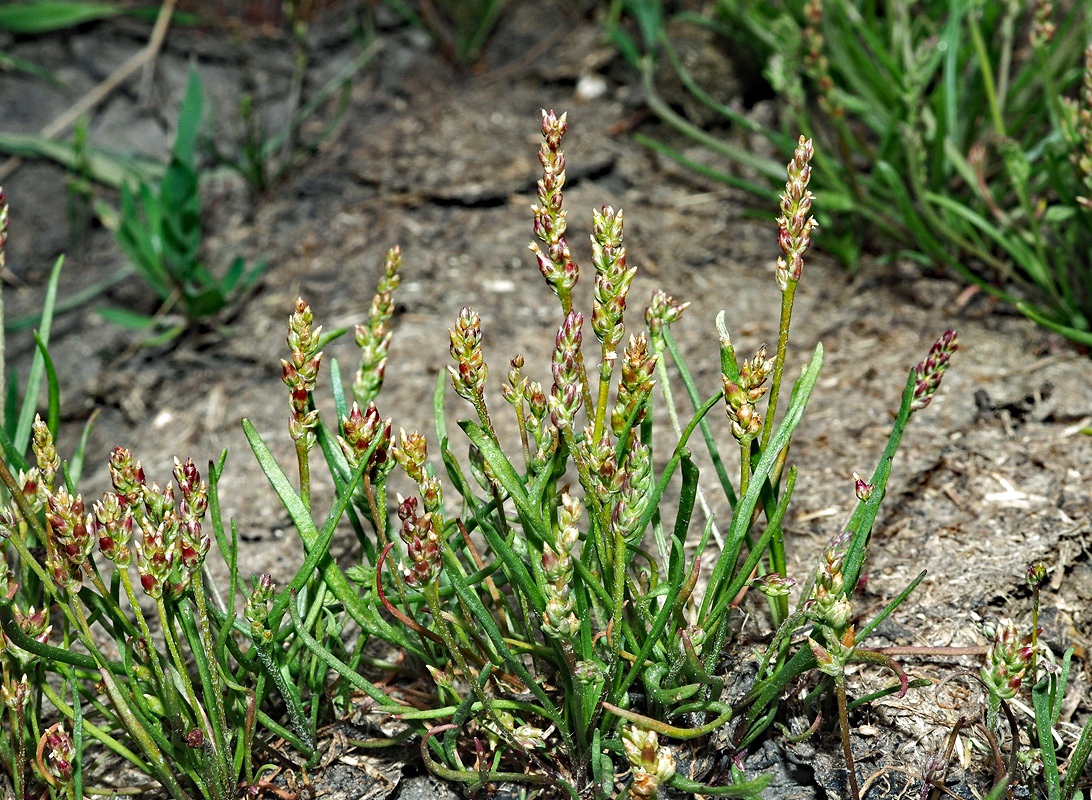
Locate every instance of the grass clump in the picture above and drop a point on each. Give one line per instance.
(956, 133)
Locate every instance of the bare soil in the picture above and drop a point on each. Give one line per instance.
(993, 476)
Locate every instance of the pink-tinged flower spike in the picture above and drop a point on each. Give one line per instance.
(411, 453)
(1007, 659)
(612, 280)
(61, 754)
(470, 372)
(155, 554)
(555, 262)
(374, 336)
(815, 61)
(422, 545)
(127, 476)
(32, 623)
(257, 608)
(45, 454)
(359, 430)
(71, 542)
(300, 374)
(740, 398)
(795, 223)
(663, 310)
(930, 371)
(113, 525)
(1042, 24)
(565, 397)
(635, 386)
(193, 544)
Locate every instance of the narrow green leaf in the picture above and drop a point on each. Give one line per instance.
(37, 365)
(44, 16)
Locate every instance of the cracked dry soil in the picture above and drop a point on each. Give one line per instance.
(993, 476)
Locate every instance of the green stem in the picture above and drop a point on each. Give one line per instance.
(160, 768)
(170, 693)
(210, 671)
(304, 462)
(987, 77)
(843, 724)
(787, 298)
(102, 736)
(600, 408)
(176, 657)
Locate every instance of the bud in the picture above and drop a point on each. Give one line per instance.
(774, 585)
(862, 488)
(663, 310)
(651, 766)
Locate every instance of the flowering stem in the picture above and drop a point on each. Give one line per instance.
(787, 298)
(118, 699)
(600, 407)
(304, 463)
(208, 644)
(169, 695)
(843, 724)
(176, 654)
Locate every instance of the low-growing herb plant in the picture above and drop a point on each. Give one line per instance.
(89, 662)
(551, 600)
(957, 133)
(549, 626)
(160, 231)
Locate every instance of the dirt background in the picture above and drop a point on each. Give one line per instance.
(993, 476)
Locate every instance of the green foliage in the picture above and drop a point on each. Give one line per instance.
(460, 27)
(956, 131)
(542, 624)
(554, 599)
(46, 16)
(160, 230)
